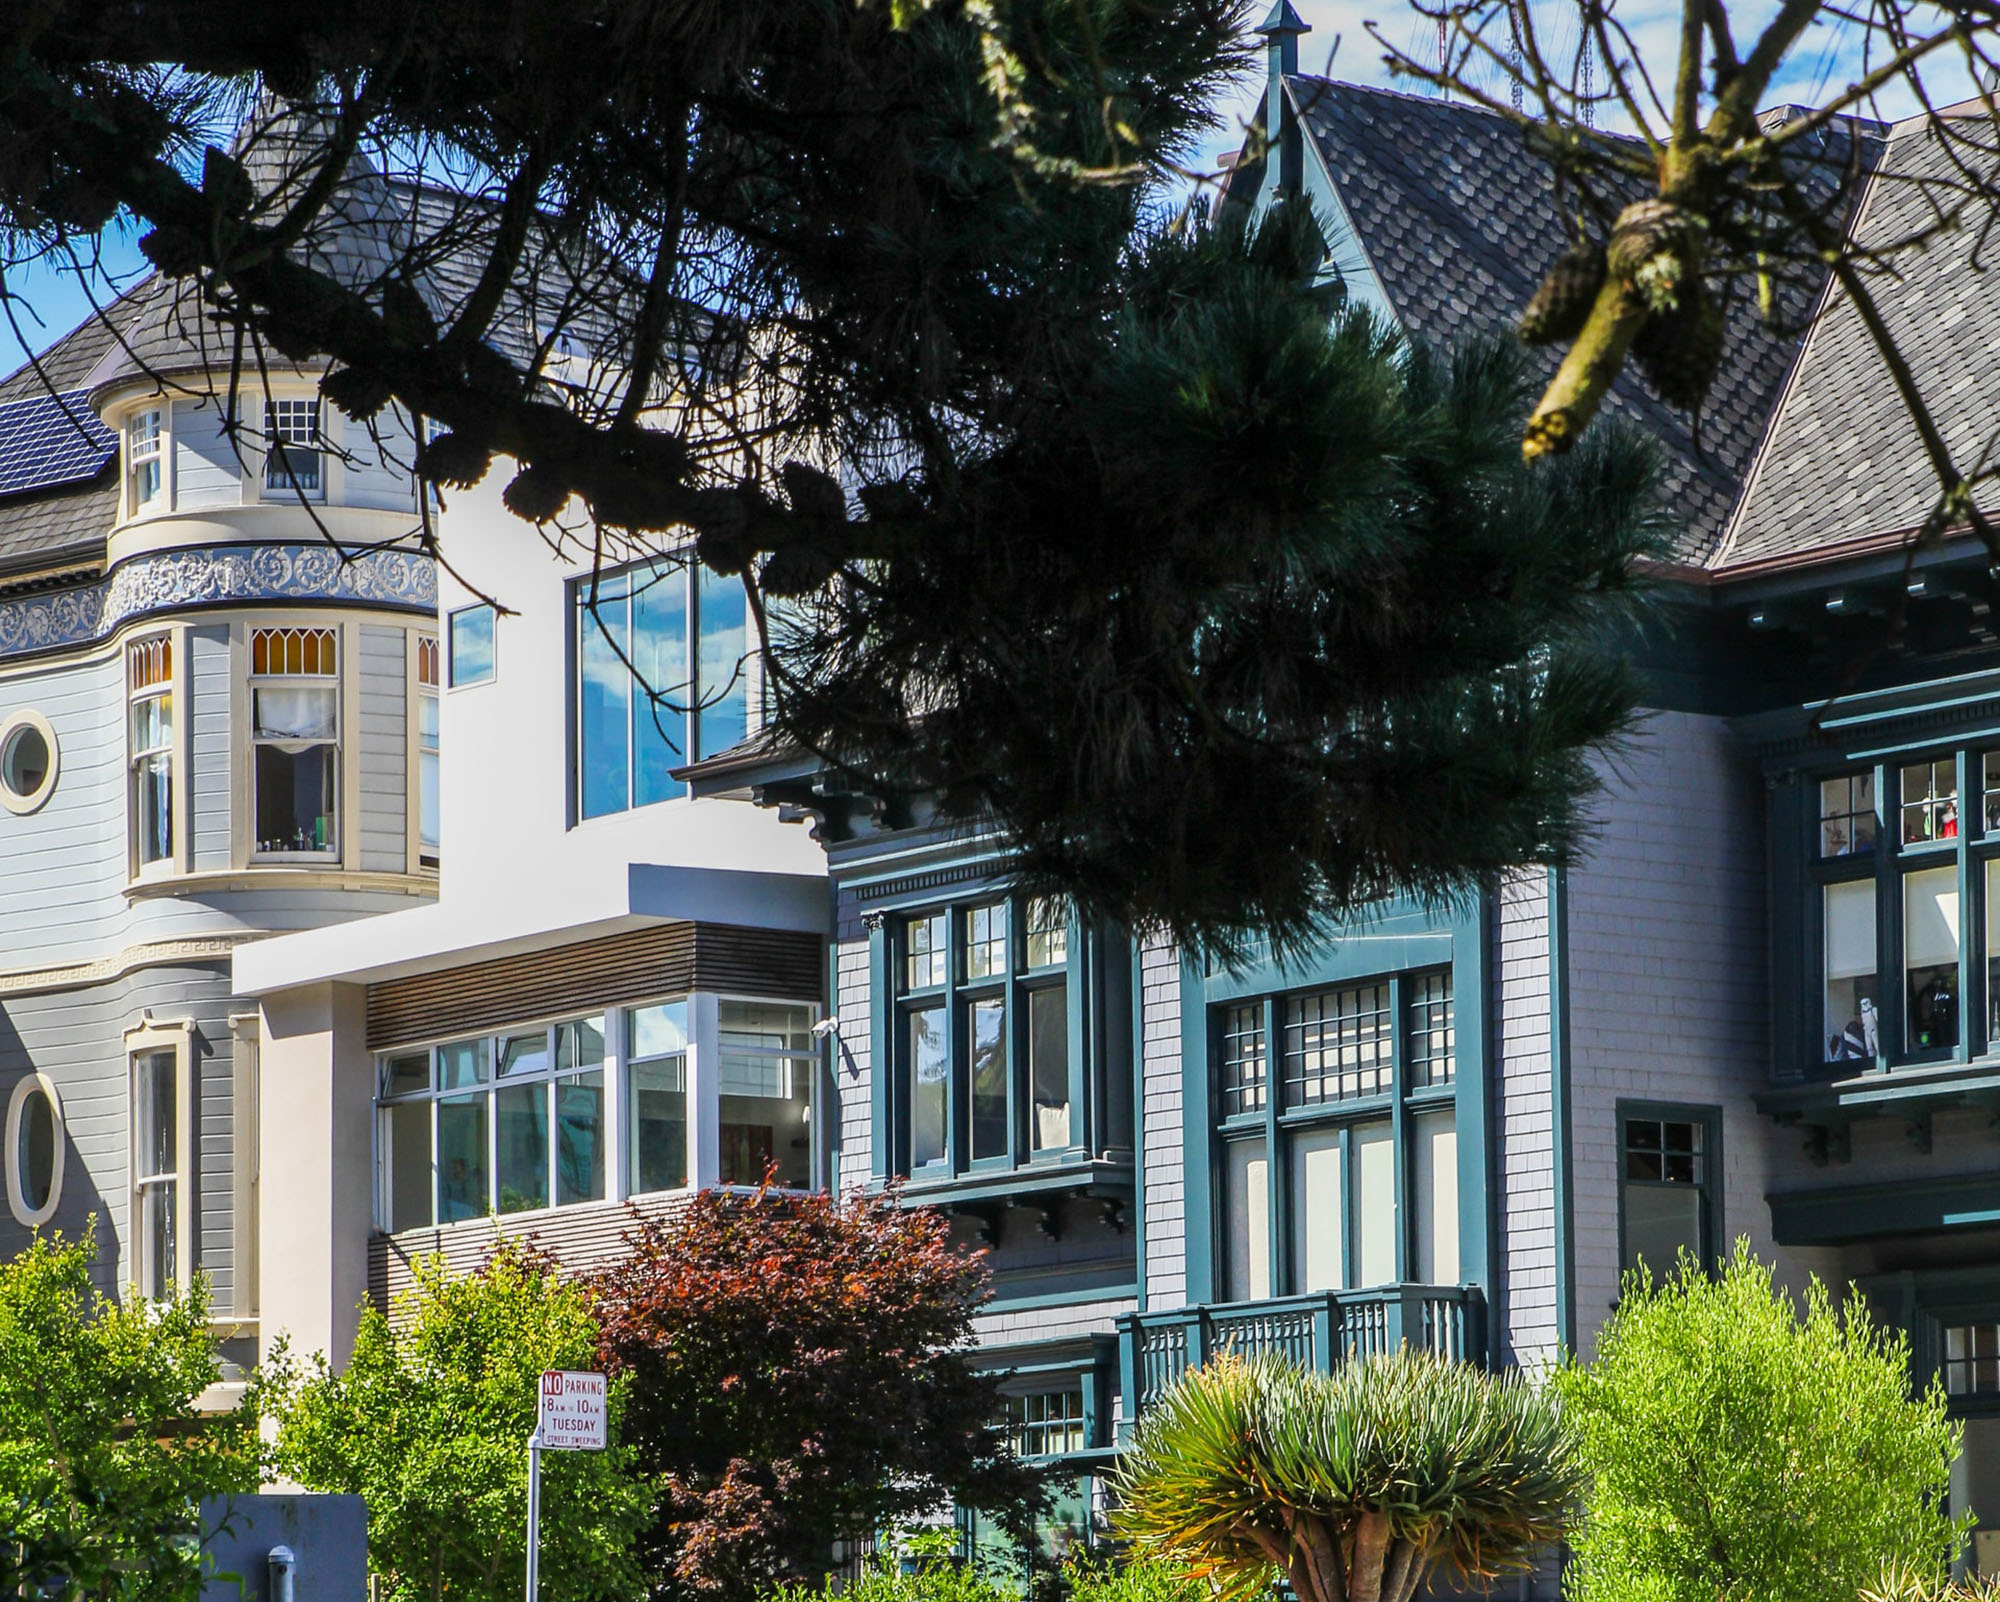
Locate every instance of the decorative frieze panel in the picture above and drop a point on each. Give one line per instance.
(215, 576)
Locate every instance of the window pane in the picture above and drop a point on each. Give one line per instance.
(153, 807)
(1243, 1060)
(766, 1091)
(1248, 1173)
(158, 1240)
(1048, 1065)
(159, 1114)
(579, 1044)
(472, 654)
(428, 827)
(295, 798)
(406, 1074)
(1338, 1045)
(579, 1138)
(924, 952)
(1659, 1221)
(1433, 1032)
(1930, 801)
(604, 694)
(1847, 815)
(153, 722)
(1048, 931)
(1852, 1031)
(1375, 1204)
(657, 1124)
(927, 1086)
(461, 1143)
(986, 1034)
(985, 942)
(1993, 950)
(461, 1064)
(295, 713)
(521, 1131)
(35, 1150)
(1930, 957)
(1434, 1179)
(720, 673)
(660, 658)
(524, 1054)
(657, 1031)
(406, 1163)
(1318, 1209)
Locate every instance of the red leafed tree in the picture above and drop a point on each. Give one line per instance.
(799, 1376)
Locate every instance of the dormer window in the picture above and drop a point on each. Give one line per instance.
(143, 480)
(292, 448)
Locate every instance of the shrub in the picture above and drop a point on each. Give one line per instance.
(1735, 1449)
(1355, 1485)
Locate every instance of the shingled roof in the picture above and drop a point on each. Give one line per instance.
(63, 525)
(1459, 222)
(1843, 462)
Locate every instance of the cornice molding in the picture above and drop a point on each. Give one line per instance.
(151, 954)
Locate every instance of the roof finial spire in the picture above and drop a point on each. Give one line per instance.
(1281, 30)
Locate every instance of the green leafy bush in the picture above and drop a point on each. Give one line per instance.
(430, 1420)
(1737, 1450)
(1356, 1485)
(103, 1454)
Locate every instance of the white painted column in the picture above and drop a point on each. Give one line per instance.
(704, 1073)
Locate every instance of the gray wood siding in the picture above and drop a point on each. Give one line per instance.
(1160, 1128)
(377, 467)
(1524, 1120)
(206, 472)
(853, 1079)
(208, 652)
(385, 751)
(76, 1037)
(62, 868)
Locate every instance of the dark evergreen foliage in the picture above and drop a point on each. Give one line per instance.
(1232, 615)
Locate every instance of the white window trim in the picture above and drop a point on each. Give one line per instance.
(180, 684)
(704, 1124)
(28, 718)
(413, 802)
(144, 1039)
(163, 502)
(347, 717)
(17, 1201)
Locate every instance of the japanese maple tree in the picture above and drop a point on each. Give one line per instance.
(796, 1373)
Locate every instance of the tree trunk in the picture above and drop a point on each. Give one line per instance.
(1594, 360)
(1371, 1551)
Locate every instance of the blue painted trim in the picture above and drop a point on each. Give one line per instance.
(172, 581)
(881, 1056)
(1559, 1110)
(1201, 1214)
(1000, 1301)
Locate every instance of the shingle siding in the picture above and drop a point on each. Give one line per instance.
(1161, 1126)
(1524, 1123)
(853, 1065)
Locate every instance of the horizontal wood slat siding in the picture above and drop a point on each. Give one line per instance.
(664, 960)
(580, 1238)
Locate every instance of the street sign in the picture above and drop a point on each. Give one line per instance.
(572, 1411)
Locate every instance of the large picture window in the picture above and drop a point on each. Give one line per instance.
(661, 675)
(1357, 1155)
(149, 676)
(295, 741)
(988, 1070)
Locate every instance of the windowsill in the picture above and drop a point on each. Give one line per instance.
(311, 875)
(643, 1199)
(1047, 1177)
(294, 859)
(1857, 1091)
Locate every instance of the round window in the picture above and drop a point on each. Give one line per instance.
(27, 761)
(34, 1151)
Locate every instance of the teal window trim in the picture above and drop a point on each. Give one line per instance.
(1097, 1044)
(1708, 1118)
(1799, 879)
(1924, 1303)
(1399, 939)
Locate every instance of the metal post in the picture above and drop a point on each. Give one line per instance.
(534, 1509)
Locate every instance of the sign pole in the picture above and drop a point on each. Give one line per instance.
(534, 1509)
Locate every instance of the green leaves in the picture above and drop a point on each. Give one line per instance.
(1737, 1449)
(1380, 1471)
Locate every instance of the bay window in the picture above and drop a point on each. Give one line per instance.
(149, 675)
(1345, 1174)
(591, 1108)
(987, 1038)
(295, 741)
(660, 676)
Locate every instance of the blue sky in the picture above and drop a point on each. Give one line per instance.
(51, 301)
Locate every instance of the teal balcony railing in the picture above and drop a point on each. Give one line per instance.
(1315, 1331)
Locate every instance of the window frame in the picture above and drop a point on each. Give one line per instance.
(336, 855)
(27, 1216)
(1270, 1126)
(953, 997)
(174, 688)
(278, 443)
(679, 568)
(147, 1040)
(1706, 1116)
(159, 456)
(425, 748)
(454, 679)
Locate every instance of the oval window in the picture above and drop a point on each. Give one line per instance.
(34, 1151)
(27, 761)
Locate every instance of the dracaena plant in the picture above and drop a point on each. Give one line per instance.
(1356, 1485)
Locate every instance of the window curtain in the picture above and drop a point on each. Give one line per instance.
(306, 716)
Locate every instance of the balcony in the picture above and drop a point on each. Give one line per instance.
(1315, 1331)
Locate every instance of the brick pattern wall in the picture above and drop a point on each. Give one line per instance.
(1523, 1112)
(1161, 1152)
(1668, 988)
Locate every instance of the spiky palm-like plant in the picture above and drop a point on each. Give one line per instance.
(1355, 1485)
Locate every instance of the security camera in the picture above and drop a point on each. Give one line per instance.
(826, 1027)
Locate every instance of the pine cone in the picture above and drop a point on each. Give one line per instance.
(453, 459)
(1649, 228)
(360, 395)
(536, 494)
(1680, 350)
(1562, 305)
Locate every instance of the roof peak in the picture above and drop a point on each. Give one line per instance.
(1283, 19)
